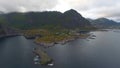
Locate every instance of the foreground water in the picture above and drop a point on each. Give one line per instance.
(101, 52)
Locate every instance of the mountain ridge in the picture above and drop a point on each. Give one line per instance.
(104, 23)
(69, 19)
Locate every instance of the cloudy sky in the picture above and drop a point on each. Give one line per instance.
(88, 8)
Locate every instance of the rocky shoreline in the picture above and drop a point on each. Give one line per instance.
(44, 59)
(6, 36)
(47, 45)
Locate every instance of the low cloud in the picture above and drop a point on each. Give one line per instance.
(26, 5)
(88, 8)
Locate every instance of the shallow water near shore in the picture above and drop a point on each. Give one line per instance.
(101, 52)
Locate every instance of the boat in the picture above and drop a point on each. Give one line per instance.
(50, 64)
(36, 59)
(36, 63)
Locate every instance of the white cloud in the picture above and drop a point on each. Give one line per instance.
(61, 6)
(112, 12)
(26, 5)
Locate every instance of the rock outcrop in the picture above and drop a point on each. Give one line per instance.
(7, 31)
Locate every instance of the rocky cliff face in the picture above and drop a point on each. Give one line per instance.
(74, 19)
(7, 31)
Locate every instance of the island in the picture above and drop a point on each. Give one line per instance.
(48, 38)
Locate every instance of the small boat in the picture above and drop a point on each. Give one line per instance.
(36, 59)
(50, 64)
(36, 63)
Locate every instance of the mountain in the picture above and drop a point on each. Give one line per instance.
(7, 31)
(70, 19)
(104, 23)
(74, 19)
(2, 33)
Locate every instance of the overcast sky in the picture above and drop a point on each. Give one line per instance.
(88, 8)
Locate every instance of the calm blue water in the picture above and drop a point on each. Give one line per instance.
(102, 52)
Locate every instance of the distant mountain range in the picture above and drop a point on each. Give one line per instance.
(104, 23)
(70, 19)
